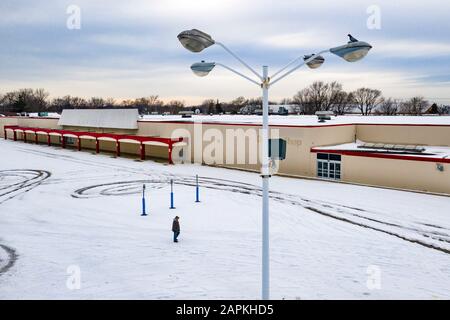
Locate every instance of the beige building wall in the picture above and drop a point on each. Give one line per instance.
(402, 174)
(27, 122)
(38, 123)
(102, 130)
(6, 121)
(314, 137)
(299, 160)
(405, 134)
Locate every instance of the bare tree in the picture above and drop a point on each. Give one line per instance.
(147, 104)
(388, 107)
(175, 106)
(67, 102)
(96, 103)
(286, 101)
(218, 108)
(110, 103)
(257, 102)
(342, 102)
(40, 100)
(367, 100)
(78, 103)
(333, 95)
(313, 98)
(235, 105)
(208, 106)
(142, 104)
(322, 96)
(239, 101)
(58, 105)
(126, 103)
(155, 103)
(414, 106)
(253, 104)
(2, 103)
(25, 100)
(8, 101)
(300, 99)
(441, 109)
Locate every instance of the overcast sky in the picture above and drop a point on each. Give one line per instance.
(129, 49)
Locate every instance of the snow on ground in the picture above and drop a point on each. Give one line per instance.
(305, 120)
(62, 208)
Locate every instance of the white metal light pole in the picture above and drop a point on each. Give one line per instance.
(265, 174)
(196, 41)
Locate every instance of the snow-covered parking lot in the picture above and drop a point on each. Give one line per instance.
(64, 210)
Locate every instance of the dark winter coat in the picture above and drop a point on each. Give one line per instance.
(176, 226)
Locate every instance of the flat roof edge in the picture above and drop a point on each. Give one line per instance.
(369, 154)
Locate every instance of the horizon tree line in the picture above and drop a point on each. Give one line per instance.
(319, 96)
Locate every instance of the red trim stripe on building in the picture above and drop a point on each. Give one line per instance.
(94, 135)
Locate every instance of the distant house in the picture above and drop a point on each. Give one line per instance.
(435, 109)
(284, 109)
(249, 109)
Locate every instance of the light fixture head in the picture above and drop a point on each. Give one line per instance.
(352, 51)
(202, 69)
(195, 40)
(314, 63)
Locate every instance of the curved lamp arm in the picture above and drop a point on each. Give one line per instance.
(294, 61)
(238, 73)
(240, 60)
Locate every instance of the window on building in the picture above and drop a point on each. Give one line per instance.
(329, 166)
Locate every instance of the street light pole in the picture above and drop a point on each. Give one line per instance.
(265, 174)
(196, 41)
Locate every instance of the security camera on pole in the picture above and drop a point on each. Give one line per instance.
(196, 41)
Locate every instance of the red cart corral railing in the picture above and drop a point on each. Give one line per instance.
(169, 142)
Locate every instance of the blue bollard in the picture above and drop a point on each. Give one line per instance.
(171, 195)
(143, 201)
(197, 191)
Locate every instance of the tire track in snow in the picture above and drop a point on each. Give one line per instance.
(428, 245)
(12, 184)
(8, 257)
(335, 211)
(16, 182)
(117, 188)
(353, 215)
(91, 163)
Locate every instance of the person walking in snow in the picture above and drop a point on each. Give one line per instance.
(176, 228)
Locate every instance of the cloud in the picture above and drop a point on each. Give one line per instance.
(129, 48)
(305, 39)
(412, 48)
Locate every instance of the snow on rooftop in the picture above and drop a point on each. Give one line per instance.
(100, 118)
(305, 120)
(44, 114)
(434, 152)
